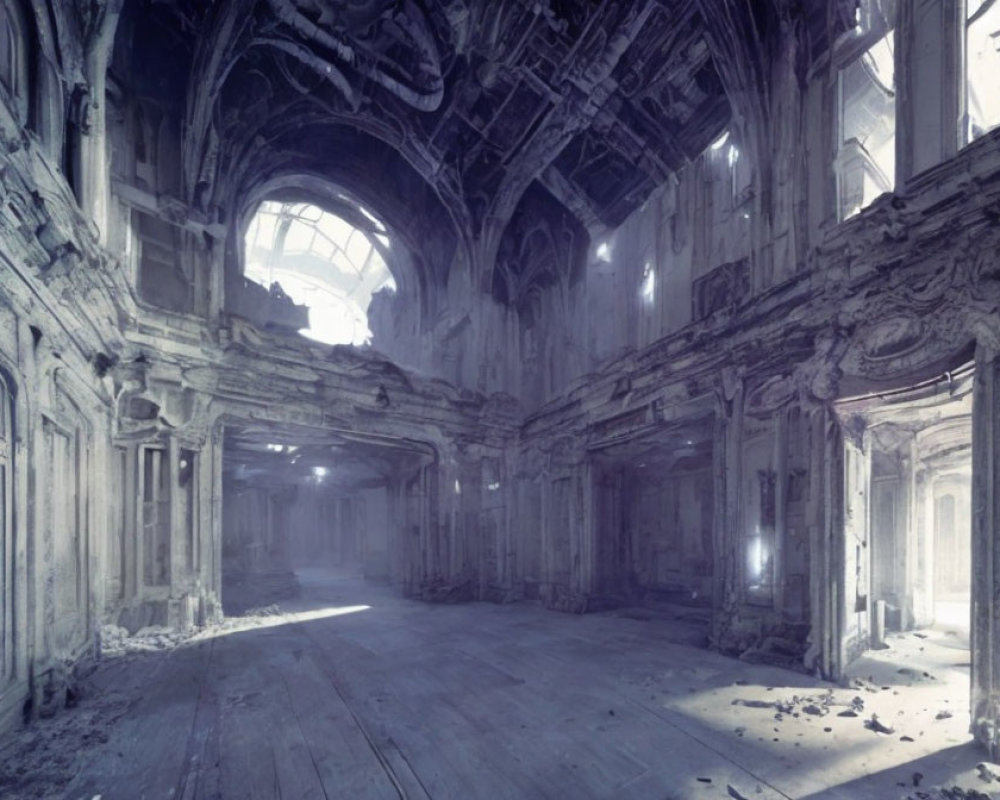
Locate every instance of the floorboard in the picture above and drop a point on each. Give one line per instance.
(353, 692)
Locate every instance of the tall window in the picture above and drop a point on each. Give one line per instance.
(322, 261)
(867, 157)
(982, 54)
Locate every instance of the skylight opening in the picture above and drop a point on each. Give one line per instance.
(322, 261)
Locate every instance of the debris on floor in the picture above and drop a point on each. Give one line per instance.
(40, 759)
(117, 641)
(873, 724)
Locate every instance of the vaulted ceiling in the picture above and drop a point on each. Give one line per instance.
(443, 112)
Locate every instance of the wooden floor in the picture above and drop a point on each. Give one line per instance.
(403, 699)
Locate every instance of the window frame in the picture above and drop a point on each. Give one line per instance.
(852, 159)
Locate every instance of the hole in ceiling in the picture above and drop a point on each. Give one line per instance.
(322, 261)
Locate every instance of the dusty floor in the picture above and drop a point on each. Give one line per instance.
(352, 692)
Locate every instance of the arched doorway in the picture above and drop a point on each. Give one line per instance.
(904, 583)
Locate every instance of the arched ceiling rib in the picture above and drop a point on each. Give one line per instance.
(485, 95)
(597, 100)
(369, 170)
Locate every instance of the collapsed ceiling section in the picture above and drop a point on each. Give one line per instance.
(598, 101)
(322, 261)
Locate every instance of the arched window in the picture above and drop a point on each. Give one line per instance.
(14, 55)
(323, 261)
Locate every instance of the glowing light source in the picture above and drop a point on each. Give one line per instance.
(319, 473)
(323, 262)
(756, 558)
(276, 448)
(720, 142)
(603, 252)
(648, 283)
(458, 486)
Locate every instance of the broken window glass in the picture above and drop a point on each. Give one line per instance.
(322, 261)
(867, 157)
(982, 56)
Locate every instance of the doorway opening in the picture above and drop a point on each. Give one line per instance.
(908, 538)
(920, 508)
(654, 513)
(305, 505)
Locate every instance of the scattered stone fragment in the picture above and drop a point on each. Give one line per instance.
(958, 793)
(753, 703)
(735, 793)
(705, 780)
(943, 714)
(873, 724)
